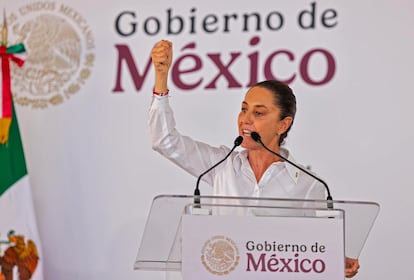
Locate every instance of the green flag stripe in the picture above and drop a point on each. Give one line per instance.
(12, 161)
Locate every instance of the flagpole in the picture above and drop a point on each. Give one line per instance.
(5, 121)
(4, 29)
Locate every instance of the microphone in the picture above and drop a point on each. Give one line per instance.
(256, 137)
(237, 142)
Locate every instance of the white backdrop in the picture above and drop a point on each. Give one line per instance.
(90, 162)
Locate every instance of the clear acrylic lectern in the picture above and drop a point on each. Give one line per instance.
(160, 248)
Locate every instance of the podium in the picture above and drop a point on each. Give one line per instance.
(263, 238)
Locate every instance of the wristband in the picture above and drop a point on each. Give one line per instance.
(161, 93)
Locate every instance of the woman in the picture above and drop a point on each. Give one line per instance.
(269, 109)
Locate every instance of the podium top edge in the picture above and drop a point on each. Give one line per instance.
(243, 198)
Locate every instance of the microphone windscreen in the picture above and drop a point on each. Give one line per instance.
(255, 136)
(238, 141)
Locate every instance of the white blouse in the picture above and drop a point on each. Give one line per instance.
(234, 177)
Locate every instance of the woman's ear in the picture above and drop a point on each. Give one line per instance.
(284, 125)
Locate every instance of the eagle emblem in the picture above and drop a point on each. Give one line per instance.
(20, 255)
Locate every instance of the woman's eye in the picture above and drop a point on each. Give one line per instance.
(244, 110)
(258, 113)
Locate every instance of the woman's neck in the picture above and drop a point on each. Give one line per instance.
(260, 160)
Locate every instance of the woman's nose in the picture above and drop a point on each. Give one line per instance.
(247, 118)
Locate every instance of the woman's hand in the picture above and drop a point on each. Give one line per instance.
(351, 267)
(161, 56)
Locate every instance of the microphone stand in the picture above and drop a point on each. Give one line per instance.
(256, 137)
(237, 142)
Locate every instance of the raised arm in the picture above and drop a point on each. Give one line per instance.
(193, 156)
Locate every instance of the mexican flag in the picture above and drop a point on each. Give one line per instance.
(20, 254)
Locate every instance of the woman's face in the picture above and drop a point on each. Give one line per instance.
(259, 113)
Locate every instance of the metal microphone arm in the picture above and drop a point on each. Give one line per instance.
(237, 143)
(256, 137)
